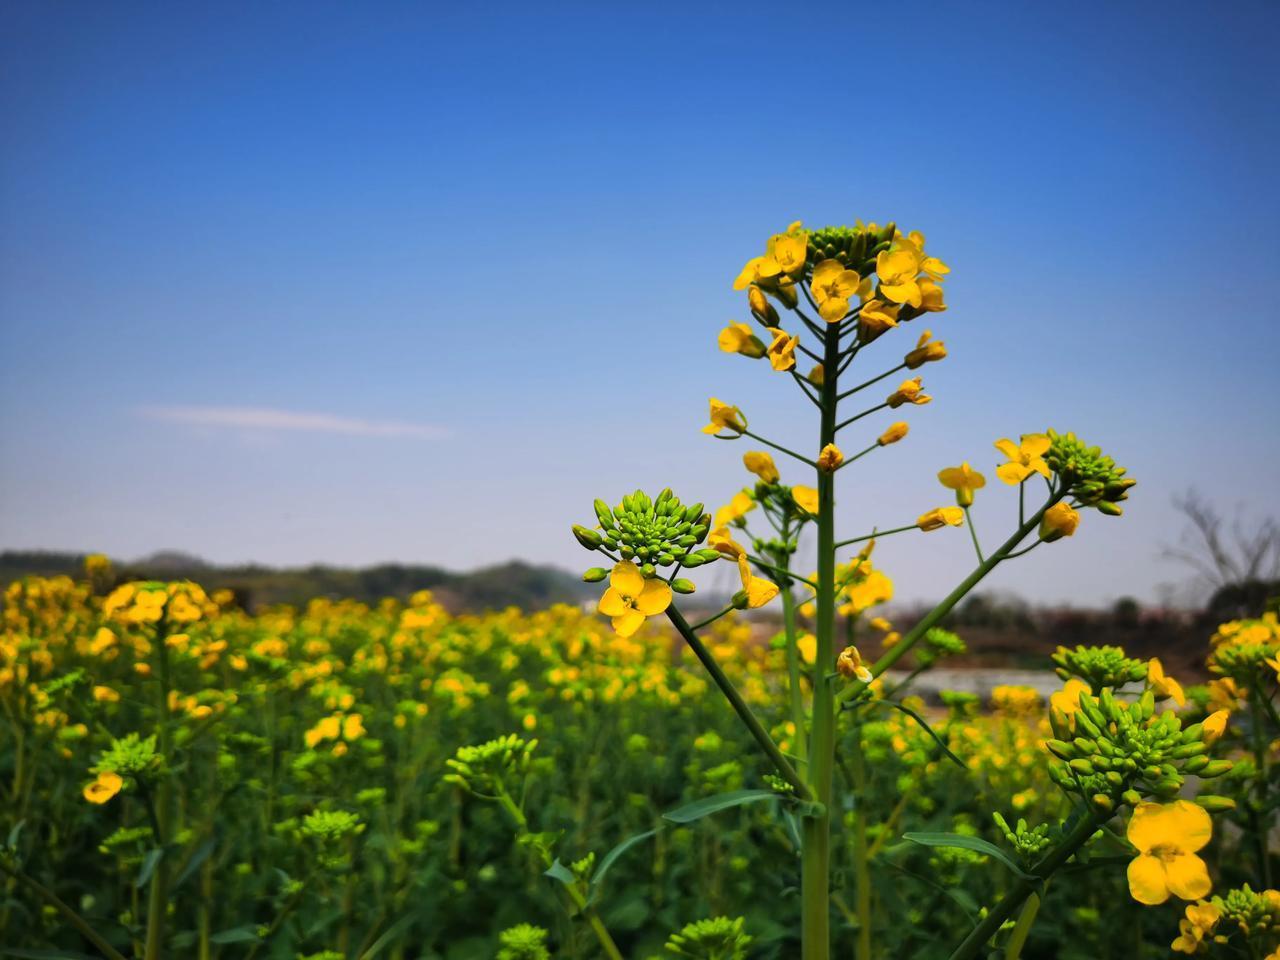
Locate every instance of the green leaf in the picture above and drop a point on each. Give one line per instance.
(193, 864)
(613, 855)
(927, 729)
(149, 863)
(721, 801)
(243, 934)
(969, 843)
(44, 954)
(558, 871)
(14, 834)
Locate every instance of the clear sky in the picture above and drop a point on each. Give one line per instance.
(365, 282)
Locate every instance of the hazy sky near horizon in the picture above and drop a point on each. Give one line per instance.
(353, 283)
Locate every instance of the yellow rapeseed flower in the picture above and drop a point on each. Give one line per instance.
(739, 505)
(759, 590)
(1025, 458)
(631, 598)
(875, 318)
(738, 338)
(782, 350)
(833, 285)
(1168, 837)
(963, 480)
(850, 664)
(724, 417)
(1215, 725)
(927, 350)
(908, 392)
(104, 788)
(1067, 700)
(940, 517)
(1198, 923)
(1163, 685)
(806, 498)
(762, 465)
(898, 270)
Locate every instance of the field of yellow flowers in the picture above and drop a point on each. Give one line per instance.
(184, 779)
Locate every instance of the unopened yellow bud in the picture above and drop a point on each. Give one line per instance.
(761, 464)
(830, 458)
(895, 433)
(940, 517)
(1058, 521)
(761, 307)
(849, 664)
(926, 351)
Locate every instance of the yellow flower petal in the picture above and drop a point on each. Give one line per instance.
(626, 579)
(1187, 876)
(654, 598)
(628, 623)
(1147, 880)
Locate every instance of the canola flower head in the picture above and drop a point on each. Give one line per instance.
(1086, 473)
(482, 767)
(1245, 652)
(632, 598)
(1099, 667)
(1027, 842)
(1111, 752)
(651, 531)
(1244, 918)
(523, 942)
(717, 938)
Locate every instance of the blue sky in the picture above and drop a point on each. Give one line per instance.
(353, 283)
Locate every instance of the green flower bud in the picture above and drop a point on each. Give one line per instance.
(595, 575)
(739, 601)
(1215, 768)
(681, 585)
(1102, 802)
(1131, 797)
(588, 538)
(1215, 804)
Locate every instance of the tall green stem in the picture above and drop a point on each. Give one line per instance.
(158, 900)
(793, 676)
(744, 712)
(815, 871)
(1023, 888)
(861, 854)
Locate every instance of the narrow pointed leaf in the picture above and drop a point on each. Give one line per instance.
(612, 856)
(976, 844)
(721, 801)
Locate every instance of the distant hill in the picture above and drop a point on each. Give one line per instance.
(513, 583)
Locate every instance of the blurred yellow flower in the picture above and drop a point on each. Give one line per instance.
(806, 498)
(762, 465)
(740, 504)
(104, 788)
(1163, 685)
(849, 664)
(724, 417)
(940, 517)
(963, 480)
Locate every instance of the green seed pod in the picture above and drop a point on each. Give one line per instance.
(1215, 804)
(681, 585)
(588, 538)
(595, 575)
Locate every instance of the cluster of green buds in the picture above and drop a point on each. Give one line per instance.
(328, 830)
(1087, 474)
(854, 247)
(1246, 649)
(653, 532)
(937, 644)
(1099, 667)
(1112, 752)
(718, 938)
(131, 756)
(482, 769)
(523, 942)
(1254, 916)
(1028, 842)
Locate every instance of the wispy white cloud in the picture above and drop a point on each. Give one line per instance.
(266, 418)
